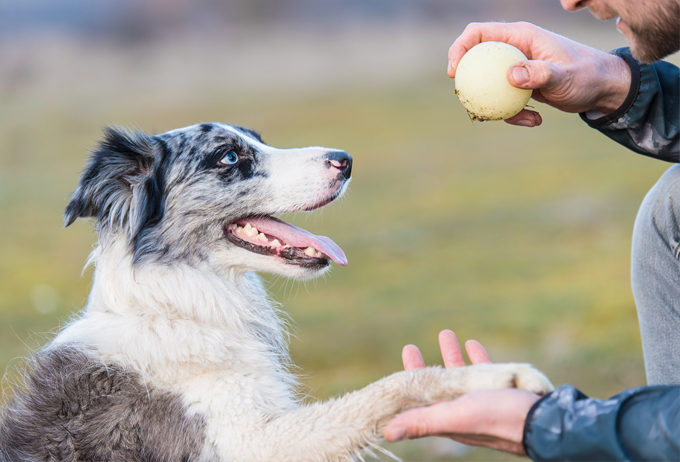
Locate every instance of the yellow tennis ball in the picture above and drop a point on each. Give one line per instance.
(482, 83)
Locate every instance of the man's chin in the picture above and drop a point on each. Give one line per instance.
(654, 36)
(650, 51)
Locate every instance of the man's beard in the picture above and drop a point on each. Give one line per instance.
(654, 34)
(654, 43)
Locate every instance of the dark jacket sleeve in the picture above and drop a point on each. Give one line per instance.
(638, 424)
(648, 122)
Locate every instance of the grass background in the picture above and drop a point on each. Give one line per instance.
(516, 237)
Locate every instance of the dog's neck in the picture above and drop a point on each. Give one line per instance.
(155, 314)
(230, 299)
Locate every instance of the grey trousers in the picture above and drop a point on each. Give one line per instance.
(655, 276)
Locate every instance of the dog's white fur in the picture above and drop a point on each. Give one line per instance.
(199, 344)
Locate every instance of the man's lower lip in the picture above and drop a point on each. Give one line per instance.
(621, 26)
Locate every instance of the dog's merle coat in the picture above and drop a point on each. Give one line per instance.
(180, 355)
(76, 408)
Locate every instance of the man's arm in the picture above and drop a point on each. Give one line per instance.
(638, 424)
(648, 122)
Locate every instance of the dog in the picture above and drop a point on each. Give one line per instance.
(179, 354)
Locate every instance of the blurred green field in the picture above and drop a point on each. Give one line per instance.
(516, 237)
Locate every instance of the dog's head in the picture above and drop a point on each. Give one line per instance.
(207, 193)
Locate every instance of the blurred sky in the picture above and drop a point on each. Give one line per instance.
(142, 19)
(82, 53)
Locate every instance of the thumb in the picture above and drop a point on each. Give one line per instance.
(533, 75)
(411, 424)
(419, 422)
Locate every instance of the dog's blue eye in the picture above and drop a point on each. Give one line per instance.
(229, 158)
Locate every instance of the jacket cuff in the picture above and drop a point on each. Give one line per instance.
(567, 425)
(530, 418)
(600, 122)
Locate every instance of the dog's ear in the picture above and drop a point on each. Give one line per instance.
(118, 185)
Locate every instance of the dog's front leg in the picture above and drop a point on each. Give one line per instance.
(339, 429)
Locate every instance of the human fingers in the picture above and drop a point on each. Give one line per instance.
(532, 75)
(525, 118)
(421, 422)
(520, 35)
(476, 352)
(450, 348)
(412, 358)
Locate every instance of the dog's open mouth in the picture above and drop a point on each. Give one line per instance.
(271, 236)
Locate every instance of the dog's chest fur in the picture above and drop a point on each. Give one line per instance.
(211, 381)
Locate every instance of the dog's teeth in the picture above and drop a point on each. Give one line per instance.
(275, 243)
(261, 238)
(318, 254)
(310, 251)
(249, 230)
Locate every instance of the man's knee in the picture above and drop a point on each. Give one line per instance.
(655, 277)
(669, 184)
(659, 215)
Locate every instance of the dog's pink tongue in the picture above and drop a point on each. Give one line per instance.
(298, 237)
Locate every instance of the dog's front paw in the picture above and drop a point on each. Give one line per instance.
(511, 375)
(529, 379)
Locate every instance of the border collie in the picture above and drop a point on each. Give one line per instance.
(180, 355)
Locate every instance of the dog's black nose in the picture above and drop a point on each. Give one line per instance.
(341, 161)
